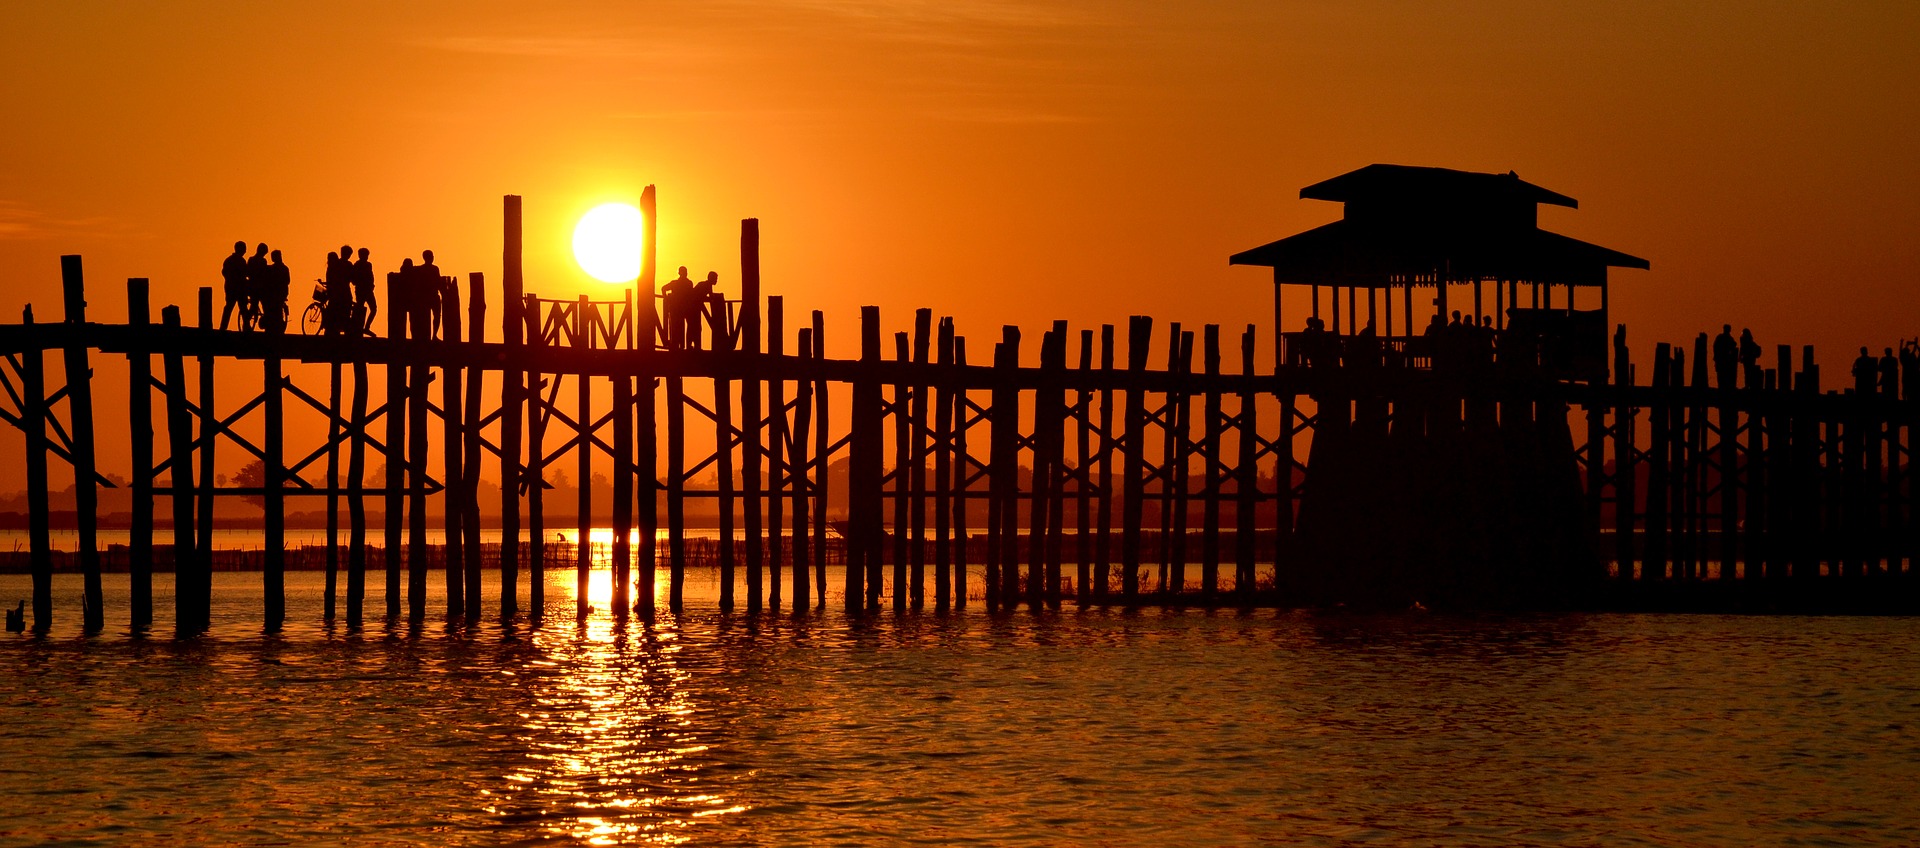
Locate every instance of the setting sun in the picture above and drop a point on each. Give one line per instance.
(606, 242)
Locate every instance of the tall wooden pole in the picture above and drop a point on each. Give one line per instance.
(453, 455)
(1247, 474)
(209, 435)
(962, 471)
(86, 499)
(622, 505)
(776, 454)
(470, 457)
(1102, 545)
(39, 531)
(140, 431)
(752, 448)
(357, 500)
(333, 491)
(863, 474)
(274, 565)
(1133, 471)
(585, 322)
(821, 442)
(394, 504)
(421, 336)
(511, 406)
(799, 463)
(180, 451)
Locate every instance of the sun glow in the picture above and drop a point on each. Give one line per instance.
(606, 242)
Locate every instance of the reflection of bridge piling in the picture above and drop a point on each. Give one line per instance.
(1678, 488)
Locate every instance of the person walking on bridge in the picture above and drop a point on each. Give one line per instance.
(426, 292)
(1750, 358)
(363, 303)
(1865, 370)
(233, 277)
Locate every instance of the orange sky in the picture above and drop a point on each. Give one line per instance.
(997, 161)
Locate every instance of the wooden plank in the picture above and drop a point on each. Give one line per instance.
(140, 434)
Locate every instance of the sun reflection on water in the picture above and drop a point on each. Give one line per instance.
(613, 750)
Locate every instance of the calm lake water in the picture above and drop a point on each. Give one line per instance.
(1085, 728)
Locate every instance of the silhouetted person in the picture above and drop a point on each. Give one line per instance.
(710, 307)
(427, 293)
(273, 294)
(1726, 357)
(1865, 369)
(1364, 347)
(1750, 358)
(674, 297)
(257, 282)
(233, 283)
(1910, 369)
(400, 296)
(1311, 339)
(1484, 344)
(1889, 375)
(363, 302)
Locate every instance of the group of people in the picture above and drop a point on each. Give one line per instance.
(256, 288)
(1448, 344)
(1731, 358)
(1882, 376)
(686, 305)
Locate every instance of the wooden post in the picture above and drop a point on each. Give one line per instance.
(86, 499)
(585, 323)
(33, 387)
(863, 472)
(209, 435)
(916, 477)
(943, 477)
(470, 458)
(752, 448)
(511, 406)
(822, 441)
(723, 441)
(1653, 558)
(452, 405)
(333, 490)
(902, 428)
(646, 470)
(1102, 549)
(1174, 473)
(274, 564)
(357, 500)
(396, 448)
(1210, 459)
(676, 492)
(1133, 471)
(1056, 442)
(1730, 483)
(1626, 468)
(1083, 463)
(420, 336)
(1247, 473)
(962, 471)
(802, 420)
(180, 457)
(538, 399)
(1045, 426)
(140, 431)
(622, 507)
(776, 454)
(1010, 502)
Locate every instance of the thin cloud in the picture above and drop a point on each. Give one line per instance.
(18, 221)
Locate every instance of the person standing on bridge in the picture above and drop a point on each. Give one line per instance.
(674, 297)
(257, 282)
(233, 278)
(271, 295)
(1865, 369)
(1726, 357)
(1750, 358)
(1889, 375)
(363, 307)
(426, 292)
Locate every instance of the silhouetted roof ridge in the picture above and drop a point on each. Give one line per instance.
(1385, 181)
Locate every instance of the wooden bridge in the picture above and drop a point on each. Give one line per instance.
(1507, 480)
